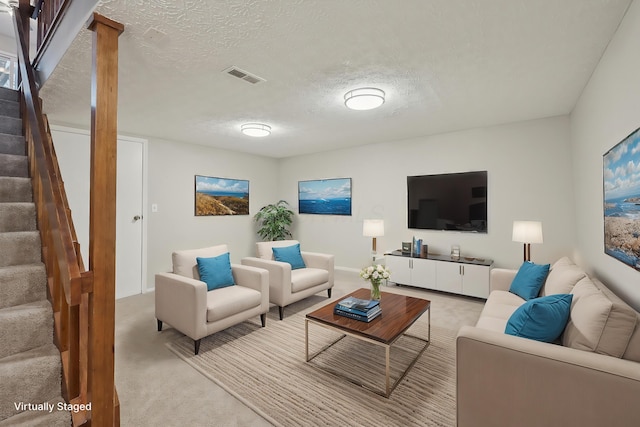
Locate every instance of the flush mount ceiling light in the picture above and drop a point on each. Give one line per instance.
(366, 98)
(256, 129)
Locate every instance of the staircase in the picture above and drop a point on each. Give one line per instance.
(30, 367)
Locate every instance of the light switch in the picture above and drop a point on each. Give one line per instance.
(154, 208)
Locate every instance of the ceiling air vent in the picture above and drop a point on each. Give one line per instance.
(244, 75)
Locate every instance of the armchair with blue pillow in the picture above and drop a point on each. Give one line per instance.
(205, 293)
(293, 274)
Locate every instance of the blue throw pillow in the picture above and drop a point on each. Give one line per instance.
(529, 280)
(290, 254)
(542, 319)
(216, 271)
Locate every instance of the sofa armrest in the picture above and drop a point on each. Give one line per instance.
(501, 377)
(182, 303)
(279, 277)
(318, 260)
(501, 279)
(254, 278)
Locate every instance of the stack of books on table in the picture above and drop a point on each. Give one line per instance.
(359, 309)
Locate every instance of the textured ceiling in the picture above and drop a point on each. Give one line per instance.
(445, 65)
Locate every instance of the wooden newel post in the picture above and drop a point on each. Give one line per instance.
(102, 223)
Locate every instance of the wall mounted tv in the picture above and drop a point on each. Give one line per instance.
(452, 201)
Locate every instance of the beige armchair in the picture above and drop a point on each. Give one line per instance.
(286, 285)
(182, 299)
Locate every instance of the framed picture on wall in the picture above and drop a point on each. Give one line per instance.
(325, 196)
(621, 184)
(221, 196)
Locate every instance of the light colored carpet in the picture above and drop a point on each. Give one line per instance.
(266, 370)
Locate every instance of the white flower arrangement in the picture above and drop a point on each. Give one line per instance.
(375, 273)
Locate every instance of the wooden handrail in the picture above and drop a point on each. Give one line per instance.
(83, 301)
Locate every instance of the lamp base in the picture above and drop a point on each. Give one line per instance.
(527, 251)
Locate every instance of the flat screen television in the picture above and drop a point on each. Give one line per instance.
(451, 201)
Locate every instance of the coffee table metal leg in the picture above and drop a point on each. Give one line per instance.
(388, 371)
(306, 339)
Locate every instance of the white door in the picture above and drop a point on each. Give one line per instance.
(73, 148)
(129, 219)
(449, 276)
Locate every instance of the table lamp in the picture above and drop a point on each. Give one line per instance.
(373, 228)
(527, 232)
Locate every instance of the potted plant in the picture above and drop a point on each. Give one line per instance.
(274, 221)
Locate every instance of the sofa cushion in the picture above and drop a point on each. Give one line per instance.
(541, 319)
(529, 280)
(289, 254)
(501, 304)
(216, 271)
(563, 276)
(225, 302)
(185, 264)
(306, 278)
(597, 322)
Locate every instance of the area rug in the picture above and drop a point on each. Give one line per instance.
(265, 368)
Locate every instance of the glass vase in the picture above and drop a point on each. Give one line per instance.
(375, 290)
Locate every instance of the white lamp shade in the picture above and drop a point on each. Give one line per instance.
(373, 228)
(527, 231)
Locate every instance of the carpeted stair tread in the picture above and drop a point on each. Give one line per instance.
(32, 376)
(9, 94)
(14, 165)
(25, 326)
(22, 284)
(19, 247)
(10, 125)
(9, 108)
(12, 144)
(57, 418)
(17, 216)
(14, 189)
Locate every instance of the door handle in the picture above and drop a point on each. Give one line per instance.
(137, 218)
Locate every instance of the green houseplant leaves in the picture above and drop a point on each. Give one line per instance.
(274, 221)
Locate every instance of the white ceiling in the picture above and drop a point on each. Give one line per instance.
(445, 65)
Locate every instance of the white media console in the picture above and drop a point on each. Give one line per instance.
(464, 275)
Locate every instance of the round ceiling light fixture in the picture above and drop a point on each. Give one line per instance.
(257, 130)
(365, 98)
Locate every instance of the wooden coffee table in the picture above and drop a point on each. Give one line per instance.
(399, 312)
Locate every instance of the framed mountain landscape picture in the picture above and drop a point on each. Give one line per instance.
(221, 196)
(621, 182)
(325, 196)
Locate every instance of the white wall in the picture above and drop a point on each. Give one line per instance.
(529, 178)
(606, 113)
(172, 167)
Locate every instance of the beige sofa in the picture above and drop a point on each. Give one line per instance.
(182, 299)
(590, 377)
(287, 286)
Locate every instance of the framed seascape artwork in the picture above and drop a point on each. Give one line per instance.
(621, 183)
(325, 196)
(221, 196)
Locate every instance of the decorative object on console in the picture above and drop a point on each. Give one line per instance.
(406, 247)
(325, 196)
(455, 252)
(365, 98)
(373, 228)
(221, 196)
(527, 232)
(274, 221)
(375, 274)
(622, 201)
